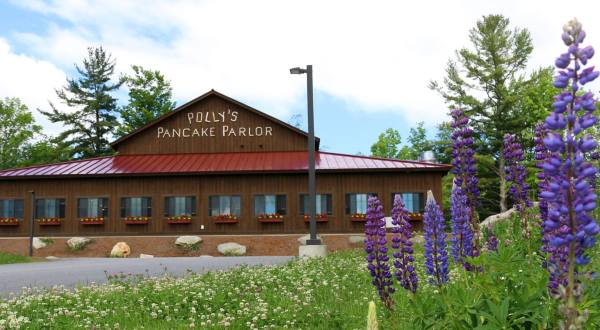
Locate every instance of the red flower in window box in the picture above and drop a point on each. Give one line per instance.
(92, 221)
(415, 216)
(136, 220)
(320, 217)
(49, 221)
(184, 218)
(270, 217)
(359, 217)
(225, 218)
(9, 221)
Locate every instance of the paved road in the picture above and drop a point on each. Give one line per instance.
(71, 272)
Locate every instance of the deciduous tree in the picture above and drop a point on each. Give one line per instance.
(17, 129)
(150, 96)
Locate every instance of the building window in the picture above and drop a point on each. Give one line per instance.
(323, 204)
(136, 207)
(413, 201)
(50, 208)
(224, 205)
(180, 206)
(11, 208)
(269, 204)
(92, 207)
(357, 203)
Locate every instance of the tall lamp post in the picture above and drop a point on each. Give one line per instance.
(311, 155)
(32, 215)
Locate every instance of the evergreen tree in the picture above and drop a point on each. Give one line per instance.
(91, 121)
(17, 129)
(487, 82)
(149, 98)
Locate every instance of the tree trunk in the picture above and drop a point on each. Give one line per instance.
(502, 183)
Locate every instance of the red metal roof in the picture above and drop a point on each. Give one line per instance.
(217, 163)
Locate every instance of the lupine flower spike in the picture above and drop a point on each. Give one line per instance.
(492, 241)
(569, 193)
(403, 246)
(515, 175)
(436, 256)
(377, 252)
(465, 171)
(462, 234)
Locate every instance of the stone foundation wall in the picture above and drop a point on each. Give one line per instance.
(164, 246)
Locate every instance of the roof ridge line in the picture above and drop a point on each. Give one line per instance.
(386, 159)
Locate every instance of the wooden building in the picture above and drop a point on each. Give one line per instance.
(212, 166)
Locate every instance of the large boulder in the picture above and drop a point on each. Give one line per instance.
(232, 249)
(356, 239)
(120, 250)
(188, 242)
(40, 243)
(78, 243)
(302, 239)
(500, 217)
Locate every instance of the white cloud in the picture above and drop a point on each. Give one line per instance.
(29, 79)
(374, 55)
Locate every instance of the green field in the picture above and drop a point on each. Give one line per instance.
(330, 293)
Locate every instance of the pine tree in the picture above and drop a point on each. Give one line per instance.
(149, 98)
(487, 82)
(91, 121)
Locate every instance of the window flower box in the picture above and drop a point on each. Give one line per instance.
(92, 221)
(225, 218)
(9, 221)
(359, 217)
(415, 216)
(320, 217)
(184, 218)
(49, 221)
(136, 220)
(270, 218)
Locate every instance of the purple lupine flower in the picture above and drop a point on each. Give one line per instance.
(541, 154)
(377, 252)
(515, 174)
(436, 256)
(403, 246)
(462, 235)
(465, 171)
(492, 241)
(569, 193)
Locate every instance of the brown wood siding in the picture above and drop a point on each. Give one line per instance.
(291, 185)
(147, 142)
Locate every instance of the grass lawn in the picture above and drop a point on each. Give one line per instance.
(329, 293)
(8, 258)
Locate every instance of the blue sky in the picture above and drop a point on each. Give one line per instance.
(372, 63)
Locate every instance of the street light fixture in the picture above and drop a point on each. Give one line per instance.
(311, 155)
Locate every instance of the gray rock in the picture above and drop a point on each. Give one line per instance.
(356, 239)
(185, 241)
(39, 243)
(302, 240)
(146, 256)
(231, 249)
(78, 243)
